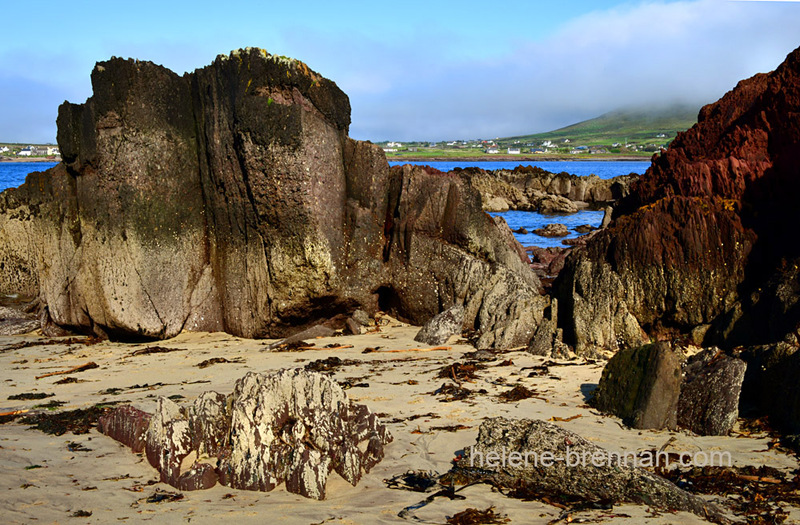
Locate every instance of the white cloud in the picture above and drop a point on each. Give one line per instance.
(650, 53)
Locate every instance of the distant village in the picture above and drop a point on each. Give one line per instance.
(517, 147)
(22, 152)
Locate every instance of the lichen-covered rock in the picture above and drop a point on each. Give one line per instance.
(290, 426)
(126, 424)
(232, 199)
(295, 427)
(439, 329)
(709, 398)
(701, 238)
(15, 322)
(642, 386)
(536, 458)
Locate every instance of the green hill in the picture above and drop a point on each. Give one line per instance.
(631, 125)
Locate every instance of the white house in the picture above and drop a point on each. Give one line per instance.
(513, 151)
(4, 149)
(492, 150)
(26, 152)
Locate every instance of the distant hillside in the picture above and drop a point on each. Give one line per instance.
(634, 125)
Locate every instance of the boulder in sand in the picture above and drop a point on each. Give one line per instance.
(439, 329)
(642, 386)
(537, 459)
(290, 426)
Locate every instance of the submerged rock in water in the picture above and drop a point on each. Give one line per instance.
(439, 329)
(552, 230)
(552, 204)
(533, 458)
(291, 426)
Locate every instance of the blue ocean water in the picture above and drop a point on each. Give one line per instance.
(605, 169)
(12, 174)
(531, 220)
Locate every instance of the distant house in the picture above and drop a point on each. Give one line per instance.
(537, 150)
(567, 141)
(25, 152)
(390, 150)
(548, 144)
(492, 150)
(44, 151)
(394, 145)
(513, 151)
(4, 149)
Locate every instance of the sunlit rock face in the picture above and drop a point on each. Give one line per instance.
(232, 199)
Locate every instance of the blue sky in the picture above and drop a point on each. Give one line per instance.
(427, 70)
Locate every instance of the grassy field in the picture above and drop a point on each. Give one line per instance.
(639, 126)
(631, 133)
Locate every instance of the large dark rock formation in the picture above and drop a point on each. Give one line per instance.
(290, 426)
(232, 199)
(703, 239)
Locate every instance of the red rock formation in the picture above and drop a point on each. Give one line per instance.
(705, 236)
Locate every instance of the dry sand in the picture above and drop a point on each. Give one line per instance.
(113, 484)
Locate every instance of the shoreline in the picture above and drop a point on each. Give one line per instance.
(32, 159)
(524, 158)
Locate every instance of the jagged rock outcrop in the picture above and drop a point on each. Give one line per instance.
(290, 426)
(702, 237)
(534, 458)
(535, 189)
(232, 199)
(552, 230)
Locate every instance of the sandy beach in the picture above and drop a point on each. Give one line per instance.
(50, 479)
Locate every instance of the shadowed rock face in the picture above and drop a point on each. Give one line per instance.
(702, 239)
(232, 199)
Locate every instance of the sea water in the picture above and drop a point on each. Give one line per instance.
(605, 169)
(12, 174)
(531, 220)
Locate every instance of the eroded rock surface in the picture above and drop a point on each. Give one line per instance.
(565, 475)
(642, 386)
(709, 399)
(164, 216)
(290, 426)
(439, 329)
(701, 238)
